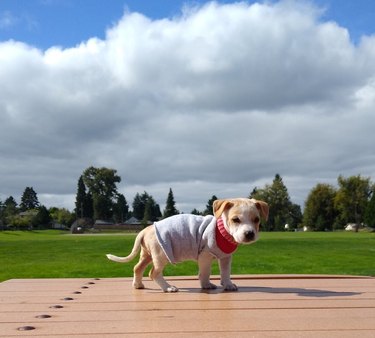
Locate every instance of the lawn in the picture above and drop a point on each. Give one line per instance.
(53, 254)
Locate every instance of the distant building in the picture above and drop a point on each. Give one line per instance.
(28, 213)
(131, 224)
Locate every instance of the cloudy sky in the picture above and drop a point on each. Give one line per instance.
(201, 97)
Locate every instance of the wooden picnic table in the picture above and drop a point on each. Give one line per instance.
(264, 306)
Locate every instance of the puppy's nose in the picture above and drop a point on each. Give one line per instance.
(249, 235)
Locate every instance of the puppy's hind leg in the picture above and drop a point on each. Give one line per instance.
(144, 260)
(156, 274)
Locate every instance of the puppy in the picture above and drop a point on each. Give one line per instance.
(200, 238)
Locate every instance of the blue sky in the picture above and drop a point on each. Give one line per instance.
(212, 102)
(66, 23)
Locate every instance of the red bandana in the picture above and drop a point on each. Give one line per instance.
(224, 239)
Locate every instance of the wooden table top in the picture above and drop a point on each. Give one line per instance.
(264, 306)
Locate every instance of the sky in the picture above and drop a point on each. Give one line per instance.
(206, 98)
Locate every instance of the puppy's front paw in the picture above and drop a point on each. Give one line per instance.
(171, 289)
(138, 285)
(209, 286)
(230, 287)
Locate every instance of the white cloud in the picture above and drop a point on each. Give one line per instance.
(216, 101)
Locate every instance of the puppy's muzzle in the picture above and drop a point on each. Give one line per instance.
(249, 236)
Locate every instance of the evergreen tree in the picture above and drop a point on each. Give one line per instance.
(88, 206)
(121, 209)
(139, 207)
(154, 208)
(29, 199)
(254, 193)
(282, 210)
(2, 208)
(209, 206)
(147, 212)
(280, 203)
(170, 208)
(81, 198)
(195, 212)
(10, 207)
(296, 216)
(42, 218)
(84, 201)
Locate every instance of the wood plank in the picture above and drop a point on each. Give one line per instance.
(193, 322)
(194, 305)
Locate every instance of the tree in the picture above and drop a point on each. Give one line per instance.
(20, 222)
(2, 208)
(88, 206)
(103, 207)
(101, 183)
(154, 209)
(280, 202)
(370, 210)
(29, 200)
(320, 213)
(81, 199)
(351, 200)
(9, 209)
(296, 216)
(62, 216)
(282, 210)
(84, 202)
(147, 213)
(139, 207)
(209, 206)
(195, 212)
(170, 208)
(121, 209)
(42, 218)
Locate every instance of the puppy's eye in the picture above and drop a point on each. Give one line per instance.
(256, 220)
(236, 220)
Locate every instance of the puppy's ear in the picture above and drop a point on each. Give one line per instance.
(263, 208)
(220, 205)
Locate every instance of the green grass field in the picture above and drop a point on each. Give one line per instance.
(53, 254)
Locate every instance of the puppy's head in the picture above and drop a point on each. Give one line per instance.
(241, 217)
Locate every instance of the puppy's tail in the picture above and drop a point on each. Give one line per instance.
(133, 254)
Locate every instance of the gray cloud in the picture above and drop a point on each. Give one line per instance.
(215, 101)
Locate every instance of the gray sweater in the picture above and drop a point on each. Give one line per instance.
(184, 237)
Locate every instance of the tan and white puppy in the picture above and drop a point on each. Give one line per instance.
(201, 238)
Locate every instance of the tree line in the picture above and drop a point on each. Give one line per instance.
(326, 208)
(30, 214)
